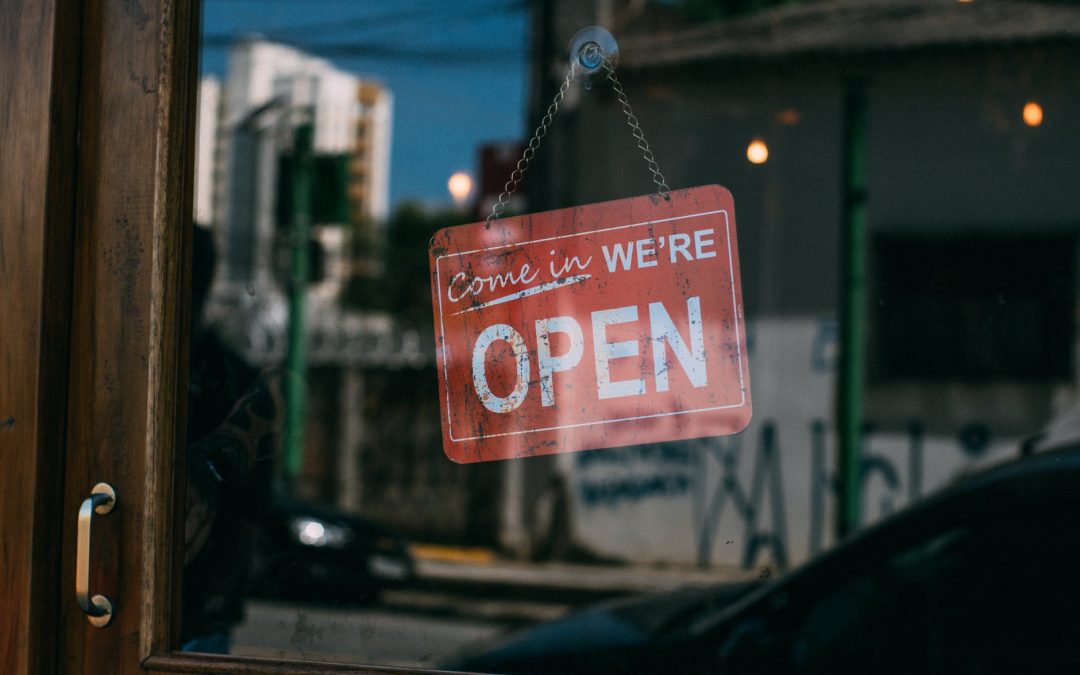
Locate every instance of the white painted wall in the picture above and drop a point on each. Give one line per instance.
(652, 505)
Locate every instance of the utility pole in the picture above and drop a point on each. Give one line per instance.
(296, 359)
(849, 401)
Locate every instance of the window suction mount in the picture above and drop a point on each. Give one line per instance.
(592, 47)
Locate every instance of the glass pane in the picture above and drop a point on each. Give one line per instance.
(907, 240)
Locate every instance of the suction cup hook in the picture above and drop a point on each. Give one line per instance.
(590, 48)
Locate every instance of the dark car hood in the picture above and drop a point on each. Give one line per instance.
(612, 627)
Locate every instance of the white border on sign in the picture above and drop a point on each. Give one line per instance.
(738, 337)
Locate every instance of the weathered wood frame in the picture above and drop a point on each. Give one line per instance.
(95, 237)
(39, 51)
(97, 127)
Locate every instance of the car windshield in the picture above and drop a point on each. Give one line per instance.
(506, 312)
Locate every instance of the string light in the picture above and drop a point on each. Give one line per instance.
(1033, 114)
(460, 185)
(757, 152)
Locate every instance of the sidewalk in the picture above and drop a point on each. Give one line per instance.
(483, 571)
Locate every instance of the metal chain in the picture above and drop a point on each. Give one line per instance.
(635, 129)
(534, 143)
(541, 130)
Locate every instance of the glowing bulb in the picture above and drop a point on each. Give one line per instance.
(1033, 114)
(313, 534)
(757, 152)
(460, 185)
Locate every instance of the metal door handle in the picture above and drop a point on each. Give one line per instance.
(98, 608)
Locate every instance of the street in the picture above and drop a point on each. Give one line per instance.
(414, 628)
(374, 635)
(450, 607)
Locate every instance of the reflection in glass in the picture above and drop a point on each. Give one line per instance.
(358, 541)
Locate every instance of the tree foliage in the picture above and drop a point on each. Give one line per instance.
(404, 286)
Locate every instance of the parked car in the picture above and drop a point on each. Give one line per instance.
(313, 552)
(980, 578)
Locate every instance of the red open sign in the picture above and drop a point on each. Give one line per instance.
(596, 326)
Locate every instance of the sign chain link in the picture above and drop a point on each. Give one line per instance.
(534, 143)
(541, 130)
(635, 129)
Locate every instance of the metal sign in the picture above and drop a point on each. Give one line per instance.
(596, 326)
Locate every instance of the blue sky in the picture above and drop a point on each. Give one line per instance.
(461, 81)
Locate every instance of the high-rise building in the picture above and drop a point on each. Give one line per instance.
(369, 168)
(245, 137)
(243, 190)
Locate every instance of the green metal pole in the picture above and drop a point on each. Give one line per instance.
(852, 309)
(296, 360)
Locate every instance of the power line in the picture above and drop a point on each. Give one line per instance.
(413, 16)
(358, 50)
(378, 21)
(361, 49)
(458, 56)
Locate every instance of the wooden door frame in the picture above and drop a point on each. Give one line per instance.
(138, 64)
(39, 50)
(112, 277)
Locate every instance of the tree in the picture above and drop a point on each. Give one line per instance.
(404, 286)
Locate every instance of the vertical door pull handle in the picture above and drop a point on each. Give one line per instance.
(98, 608)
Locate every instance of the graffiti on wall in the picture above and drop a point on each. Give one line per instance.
(671, 475)
(711, 501)
(741, 480)
(769, 492)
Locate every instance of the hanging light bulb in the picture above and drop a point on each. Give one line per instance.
(1033, 114)
(757, 152)
(460, 186)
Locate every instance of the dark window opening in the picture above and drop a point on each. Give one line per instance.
(974, 308)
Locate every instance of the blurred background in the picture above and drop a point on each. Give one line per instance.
(904, 175)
